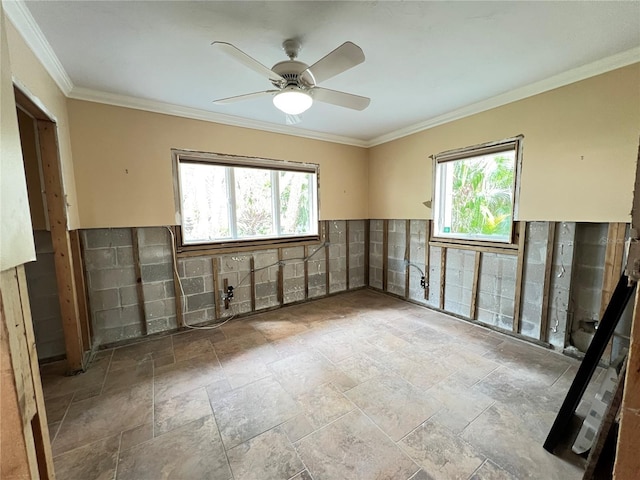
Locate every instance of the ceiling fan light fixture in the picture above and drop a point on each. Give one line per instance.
(292, 101)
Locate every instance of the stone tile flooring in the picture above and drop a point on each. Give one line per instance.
(355, 386)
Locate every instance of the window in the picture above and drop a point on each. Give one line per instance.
(228, 200)
(475, 192)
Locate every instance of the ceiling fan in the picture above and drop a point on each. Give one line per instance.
(296, 82)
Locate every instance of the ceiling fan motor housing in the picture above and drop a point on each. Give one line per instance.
(295, 73)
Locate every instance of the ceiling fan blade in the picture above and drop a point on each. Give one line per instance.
(248, 61)
(343, 58)
(247, 96)
(342, 99)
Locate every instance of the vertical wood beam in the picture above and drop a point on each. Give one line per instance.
(407, 257)
(57, 210)
(546, 285)
(367, 249)
(252, 268)
(612, 262)
(473, 311)
(216, 285)
(176, 281)
(327, 264)
(385, 253)
(139, 287)
(81, 288)
(517, 301)
(443, 274)
(280, 278)
(39, 425)
(346, 244)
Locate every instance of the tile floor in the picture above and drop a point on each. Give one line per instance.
(356, 386)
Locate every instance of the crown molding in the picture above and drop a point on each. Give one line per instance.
(24, 22)
(205, 115)
(598, 67)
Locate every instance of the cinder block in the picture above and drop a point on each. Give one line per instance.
(193, 285)
(105, 299)
(200, 301)
(128, 295)
(153, 254)
(112, 278)
(43, 241)
(197, 267)
(130, 315)
(124, 256)
(266, 289)
(153, 291)
(153, 236)
(157, 272)
(100, 258)
(107, 237)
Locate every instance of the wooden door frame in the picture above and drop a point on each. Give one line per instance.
(47, 138)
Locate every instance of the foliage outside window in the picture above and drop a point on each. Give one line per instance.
(474, 194)
(236, 199)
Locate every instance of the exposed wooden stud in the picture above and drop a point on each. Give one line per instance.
(407, 257)
(280, 278)
(517, 301)
(216, 285)
(252, 268)
(385, 253)
(612, 262)
(306, 272)
(427, 259)
(546, 285)
(327, 263)
(473, 311)
(57, 210)
(176, 282)
(139, 286)
(81, 288)
(346, 248)
(367, 249)
(443, 274)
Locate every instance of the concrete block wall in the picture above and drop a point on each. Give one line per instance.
(417, 256)
(537, 237)
(434, 276)
(43, 298)
(560, 288)
(115, 306)
(357, 250)
(459, 281)
(337, 255)
(111, 282)
(375, 253)
(156, 270)
(588, 272)
(396, 264)
(496, 290)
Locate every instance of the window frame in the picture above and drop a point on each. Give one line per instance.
(190, 156)
(515, 143)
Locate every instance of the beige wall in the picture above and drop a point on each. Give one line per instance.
(122, 161)
(579, 157)
(16, 238)
(29, 73)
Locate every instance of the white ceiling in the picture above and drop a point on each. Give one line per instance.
(425, 61)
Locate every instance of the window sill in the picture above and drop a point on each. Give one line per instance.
(246, 245)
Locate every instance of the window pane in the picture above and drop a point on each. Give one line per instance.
(254, 204)
(295, 202)
(475, 197)
(205, 204)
